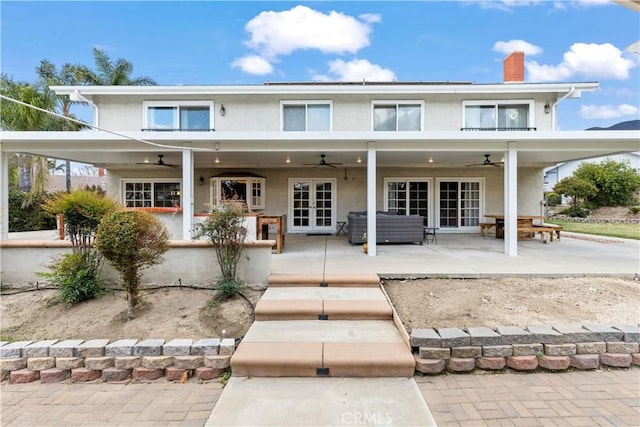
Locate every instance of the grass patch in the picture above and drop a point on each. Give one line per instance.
(625, 231)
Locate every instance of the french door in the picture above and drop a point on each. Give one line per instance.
(408, 196)
(312, 206)
(460, 203)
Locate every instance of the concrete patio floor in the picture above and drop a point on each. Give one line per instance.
(461, 255)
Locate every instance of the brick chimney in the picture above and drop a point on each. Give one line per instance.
(514, 68)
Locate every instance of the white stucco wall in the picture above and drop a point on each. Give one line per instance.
(350, 112)
(189, 262)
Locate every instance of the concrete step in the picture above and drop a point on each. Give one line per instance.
(334, 280)
(315, 303)
(353, 331)
(316, 359)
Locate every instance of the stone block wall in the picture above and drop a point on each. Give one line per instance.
(554, 348)
(122, 360)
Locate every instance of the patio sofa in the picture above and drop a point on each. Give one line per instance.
(390, 227)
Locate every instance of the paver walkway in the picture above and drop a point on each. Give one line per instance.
(158, 403)
(592, 398)
(578, 398)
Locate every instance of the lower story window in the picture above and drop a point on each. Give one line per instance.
(151, 194)
(249, 191)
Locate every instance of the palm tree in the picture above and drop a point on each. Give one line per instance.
(110, 73)
(33, 170)
(67, 75)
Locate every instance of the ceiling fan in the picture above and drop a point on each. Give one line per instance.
(160, 162)
(323, 163)
(486, 162)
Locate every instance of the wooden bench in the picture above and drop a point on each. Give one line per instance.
(546, 231)
(485, 227)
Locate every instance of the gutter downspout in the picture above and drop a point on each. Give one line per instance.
(76, 96)
(554, 109)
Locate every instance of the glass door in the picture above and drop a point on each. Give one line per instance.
(312, 206)
(459, 204)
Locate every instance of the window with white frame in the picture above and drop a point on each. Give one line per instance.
(498, 115)
(397, 116)
(151, 193)
(178, 116)
(408, 196)
(245, 190)
(303, 116)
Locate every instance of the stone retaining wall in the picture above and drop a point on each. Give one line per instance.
(554, 348)
(81, 361)
(597, 220)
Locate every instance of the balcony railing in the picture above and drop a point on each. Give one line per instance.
(499, 129)
(177, 130)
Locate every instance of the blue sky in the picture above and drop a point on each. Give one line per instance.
(241, 42)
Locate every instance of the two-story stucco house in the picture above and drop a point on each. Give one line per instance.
(404, 146)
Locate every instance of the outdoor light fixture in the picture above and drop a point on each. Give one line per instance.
(430, 159)
(217, 160)
(547, 108)
(201, 180)
(359, 160)
(223, 110)
(288, 160)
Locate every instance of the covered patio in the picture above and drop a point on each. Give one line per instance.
(462, 255)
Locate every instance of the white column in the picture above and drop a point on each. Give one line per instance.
(371, 198)
(511, 200)
(4, 194)
(187, 194)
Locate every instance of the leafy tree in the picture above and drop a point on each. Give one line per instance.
(77, 273)
(225, 230)
(109, 73)
(132, 241)
(578, 189)
(616, 182)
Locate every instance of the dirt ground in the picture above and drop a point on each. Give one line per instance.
(185, 313)
(165, 313)
(517, 301)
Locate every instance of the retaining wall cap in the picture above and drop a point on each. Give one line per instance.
(16, 344)
(631, 332)
(41, 344)
(605, 332)
(123, 343)
(68, 344)
(207, 342)
(3, 343)
(94, 343)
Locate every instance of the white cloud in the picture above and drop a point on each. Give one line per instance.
(253, 64)
(506, 5)
(281, 33)
(356, 70)
(607, 111)
(597, 61)
(516, 45)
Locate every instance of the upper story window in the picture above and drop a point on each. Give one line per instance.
(397, 116)
(302, 116)
(178, 116)
(492, 115)
(151, 193)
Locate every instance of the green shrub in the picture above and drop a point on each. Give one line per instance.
(634, 209)
(31, 218)
(553, 199)
(132, 241)
(615, 181)
(76, 277)
(225, 230)
(576, 212)
(228, 288)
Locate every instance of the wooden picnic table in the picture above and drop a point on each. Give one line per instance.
(525, 225)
